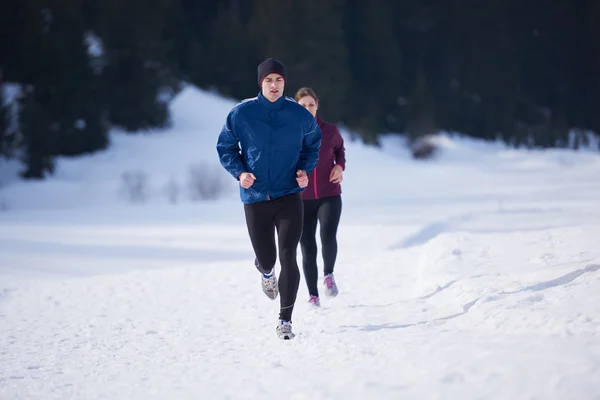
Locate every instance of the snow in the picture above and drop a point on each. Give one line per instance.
(471, 276)
(11, 92)
(94, 44)
(95, 51)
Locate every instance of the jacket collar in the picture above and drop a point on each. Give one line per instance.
(320, 122)
(277, 105)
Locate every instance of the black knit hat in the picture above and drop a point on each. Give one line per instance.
(271, 66)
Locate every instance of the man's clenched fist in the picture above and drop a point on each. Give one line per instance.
(247, 179)
(302, 178)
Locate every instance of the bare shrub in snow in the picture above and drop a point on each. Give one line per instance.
(423, 148)
(173, 190)
(134, 185)
(206, 182)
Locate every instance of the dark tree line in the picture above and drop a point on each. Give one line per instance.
(524, 71)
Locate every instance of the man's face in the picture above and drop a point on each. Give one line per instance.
(272, 87)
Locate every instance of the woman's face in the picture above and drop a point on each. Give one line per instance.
(310, 104)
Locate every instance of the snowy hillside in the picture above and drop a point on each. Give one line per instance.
(472, 276)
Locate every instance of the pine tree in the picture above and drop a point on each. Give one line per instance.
(278, 28)
(11, 33)
(68, 87)
(8, 128)
(417, 32)
(312, 45)
(138, 76)
(77, 99)
(230, 57)
(39, 134)
(421, 120)
(323, 64)
(376, 70)
(192, 24)
(588, 63)
(11, 69)
(488, 60)
(61, 110)
(4, 141)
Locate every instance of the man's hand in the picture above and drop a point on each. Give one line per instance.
(302, 178)
(246, 179)
(336, 175)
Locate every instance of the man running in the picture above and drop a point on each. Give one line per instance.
(271, 144)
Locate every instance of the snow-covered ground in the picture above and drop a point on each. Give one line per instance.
(472, 276)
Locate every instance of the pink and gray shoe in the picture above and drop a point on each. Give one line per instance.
(331, 289)
(314, 300)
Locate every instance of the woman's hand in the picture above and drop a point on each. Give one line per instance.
(336, 175)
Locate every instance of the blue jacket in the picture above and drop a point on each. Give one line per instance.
(272, 141)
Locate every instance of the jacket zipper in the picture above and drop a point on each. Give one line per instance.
(315, 183)
(269, 178)
(270, 144)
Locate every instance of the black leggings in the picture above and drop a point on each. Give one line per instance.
(326, 212)
(284, 214)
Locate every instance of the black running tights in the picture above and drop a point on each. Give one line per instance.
(326, 212)
(284, 214)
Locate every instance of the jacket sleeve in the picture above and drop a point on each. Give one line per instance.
(339, 150)
(311, 144)
(228, 148)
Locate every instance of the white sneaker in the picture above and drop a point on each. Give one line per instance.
(269, 285)
(284, 330)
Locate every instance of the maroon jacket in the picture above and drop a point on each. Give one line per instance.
(332, 153)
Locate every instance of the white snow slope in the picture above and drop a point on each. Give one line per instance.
(472, 276)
